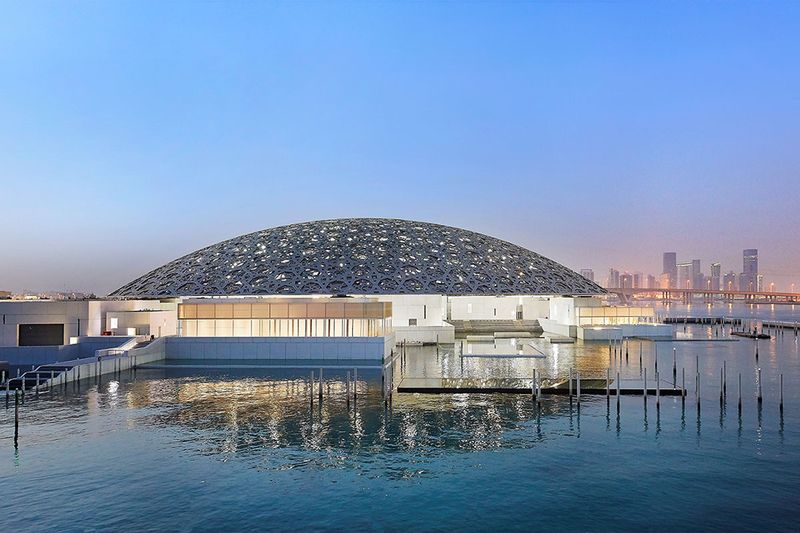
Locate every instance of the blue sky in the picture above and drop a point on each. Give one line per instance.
(598, 134)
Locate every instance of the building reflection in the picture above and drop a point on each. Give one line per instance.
(250, 415)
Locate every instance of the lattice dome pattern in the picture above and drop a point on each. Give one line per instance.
(360, 256)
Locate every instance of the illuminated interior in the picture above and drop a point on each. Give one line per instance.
(267, 317)
(614, 316)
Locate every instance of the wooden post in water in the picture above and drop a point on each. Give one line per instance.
(658, 391)
(683, 384)
(740, 393)
(781, 393)
(608, 378)
(759, 386)
(721, 379)
(674, 362)
(697, 388)
(570, 383)
(16, 418)
(533, 386)
(644, 390)
(656, 356)
(725, 378)
(617, 388)
(640, 353)
(320, 384)
(578, 379)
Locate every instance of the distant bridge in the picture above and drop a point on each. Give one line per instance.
(707, 295)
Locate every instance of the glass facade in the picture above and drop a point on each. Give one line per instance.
(316, 318)
(614, 316)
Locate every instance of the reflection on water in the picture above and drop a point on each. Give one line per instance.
(146, 450)
(246, 416)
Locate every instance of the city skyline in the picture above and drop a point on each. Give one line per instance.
(697, 273)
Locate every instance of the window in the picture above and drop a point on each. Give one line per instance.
(412, 321)
(285, 320)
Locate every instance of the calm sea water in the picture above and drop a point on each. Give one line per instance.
(204, 449)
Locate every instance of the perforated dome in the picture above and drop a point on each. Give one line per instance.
(360, 256)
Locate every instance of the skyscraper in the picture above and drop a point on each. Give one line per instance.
(684, 277)
(716, 273)
(612, 282)
(748, 279)
(587, 273)
(729, 281)
(698, 281)
(671, 268)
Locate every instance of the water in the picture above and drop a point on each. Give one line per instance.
(180, 449)
(779, 312)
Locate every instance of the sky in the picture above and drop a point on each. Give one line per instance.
(598, 134)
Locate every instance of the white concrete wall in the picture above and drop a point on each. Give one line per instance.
(40, 355)
(647, 330)
(279, 348)
(498, 307)
(155, 351)
(558, 328)
(535, 307)
(37, 355)
(158, 323)
(89, 367)
(14, 313)
(604, 333)
(427, 309)
(562, 311)
(426, 335)
(484, 307)
(99, 310)
(600, 334)
(92, 315)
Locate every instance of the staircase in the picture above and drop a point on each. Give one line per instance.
(34, 378)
